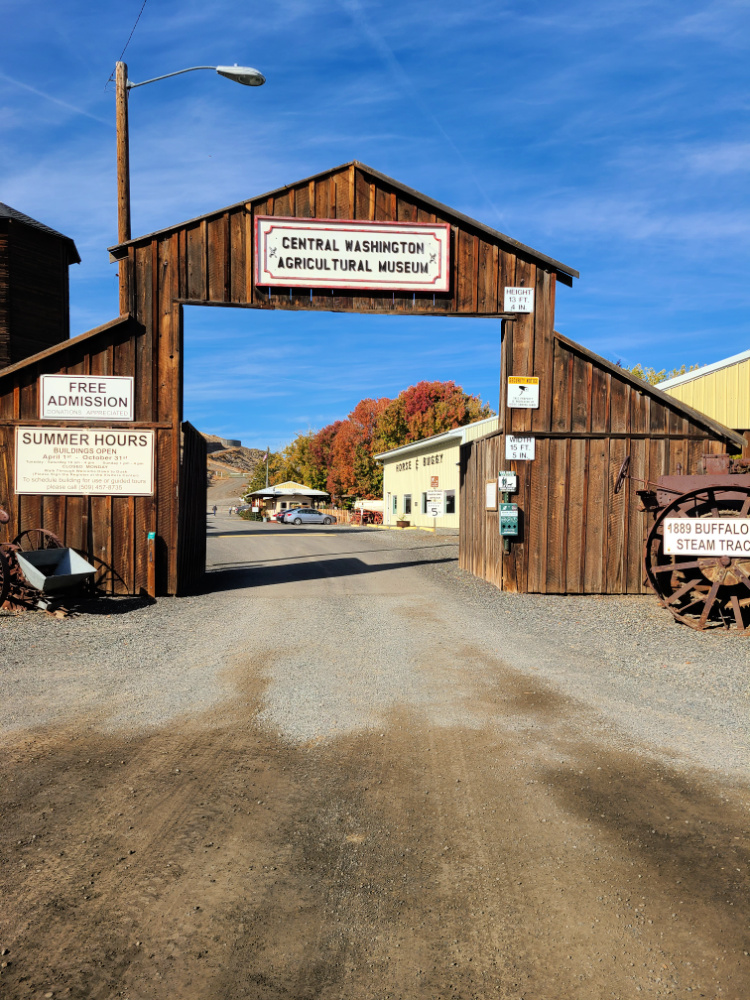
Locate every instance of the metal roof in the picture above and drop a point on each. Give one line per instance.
(440, 208)
(434, 439)
(6, 212)
(705, 370)
(288, 489)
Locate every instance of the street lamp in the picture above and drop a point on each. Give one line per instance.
(240, 74)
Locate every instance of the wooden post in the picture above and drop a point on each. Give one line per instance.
(123, 180)
(151, 565)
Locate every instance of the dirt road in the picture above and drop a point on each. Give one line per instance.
(376, 805)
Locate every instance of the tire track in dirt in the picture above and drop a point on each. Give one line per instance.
(575, 867)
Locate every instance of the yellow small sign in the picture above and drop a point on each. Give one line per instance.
(523, 380)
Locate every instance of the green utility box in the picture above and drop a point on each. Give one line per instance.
(509, 519)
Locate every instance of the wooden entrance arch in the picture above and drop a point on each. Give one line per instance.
(210, 261)
(575, 537)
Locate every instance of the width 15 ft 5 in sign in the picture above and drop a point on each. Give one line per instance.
(520, 447)
(332, 253)
(707, 536)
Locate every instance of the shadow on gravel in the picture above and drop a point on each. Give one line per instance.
(253, 575)
(316, 556)
(112, 605)
(213, 859)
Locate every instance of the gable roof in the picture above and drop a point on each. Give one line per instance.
(456, 432)
(290, 488)
(562, 269)
(65, 345)
(717, 429)
(716, 366)
(13, 215)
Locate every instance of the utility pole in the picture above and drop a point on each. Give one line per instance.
(123, 180)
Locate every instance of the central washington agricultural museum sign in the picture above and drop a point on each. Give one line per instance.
(327, 253)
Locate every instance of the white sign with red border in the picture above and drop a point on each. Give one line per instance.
(333, 253)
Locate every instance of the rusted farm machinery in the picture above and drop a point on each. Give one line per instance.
(37, 570)
(697, 553)
(362, 517)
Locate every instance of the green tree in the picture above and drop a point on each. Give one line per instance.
(258, 479)
(654, 377)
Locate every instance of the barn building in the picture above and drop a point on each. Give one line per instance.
(34, 262)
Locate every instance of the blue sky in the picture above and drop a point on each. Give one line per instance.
(613, 137)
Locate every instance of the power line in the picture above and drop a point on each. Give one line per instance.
(129, 37)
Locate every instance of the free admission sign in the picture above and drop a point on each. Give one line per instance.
(86, 397)
(332, 253)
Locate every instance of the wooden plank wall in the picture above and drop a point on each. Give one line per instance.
(111, 531)
(193, 488)
(34, 310)
(577, 537)
(209, 261)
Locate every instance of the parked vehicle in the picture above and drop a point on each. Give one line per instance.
(306, 515)
(280, 515)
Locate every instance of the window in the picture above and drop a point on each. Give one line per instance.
(395, 503)
(407, 503)
(283, 506)
(424, 503)
(450, 501)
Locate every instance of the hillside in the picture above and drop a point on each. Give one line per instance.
(226, 460)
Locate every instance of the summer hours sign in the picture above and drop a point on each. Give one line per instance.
(329, 253)
(64, 461)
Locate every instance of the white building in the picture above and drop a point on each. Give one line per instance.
(287, 495)
(421, 480)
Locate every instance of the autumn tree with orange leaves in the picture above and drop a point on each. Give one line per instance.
(339, 457)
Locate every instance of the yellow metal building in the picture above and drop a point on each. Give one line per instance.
(421, 480)
(720, 390)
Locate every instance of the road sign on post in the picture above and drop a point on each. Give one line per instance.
(520, 447)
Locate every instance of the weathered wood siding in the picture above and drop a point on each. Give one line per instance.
(192, 528)
(111, 531)
(576, 536)
(34, 311)
(210, 260)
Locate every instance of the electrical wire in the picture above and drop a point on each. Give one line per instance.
(143, 5)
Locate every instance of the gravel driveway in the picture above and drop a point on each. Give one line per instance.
(349, 769)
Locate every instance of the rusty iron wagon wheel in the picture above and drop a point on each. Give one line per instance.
(37, 538)
(702, 591)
